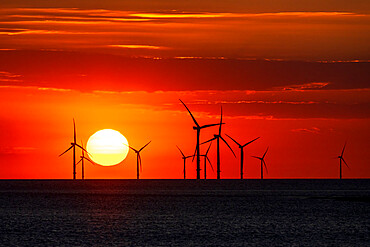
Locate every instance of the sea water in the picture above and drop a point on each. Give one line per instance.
(184, 213)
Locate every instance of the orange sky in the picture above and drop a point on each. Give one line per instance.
(295, 74)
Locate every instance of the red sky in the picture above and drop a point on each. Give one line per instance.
(296, 74)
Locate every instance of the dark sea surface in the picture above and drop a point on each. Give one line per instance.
(314, 212)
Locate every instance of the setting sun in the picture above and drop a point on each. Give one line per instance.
(107, 147)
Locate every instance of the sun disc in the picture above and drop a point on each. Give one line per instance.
(107, 147)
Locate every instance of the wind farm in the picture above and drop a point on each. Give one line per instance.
(216, 137)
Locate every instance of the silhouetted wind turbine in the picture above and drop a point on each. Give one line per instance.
(138, 159)
(340, 157)
(263, 163)
(197, 128)
(73, 146)
(242, 153)
(217, 138)
(83, 157)
(184, 158)
(205, 161)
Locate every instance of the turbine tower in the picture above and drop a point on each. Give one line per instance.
(241, 153)
(198, 128)
(138, 159)
(73, 147)
(184, 158)
(217, 138)
(340, 157)
(263, 163)
(82, 158)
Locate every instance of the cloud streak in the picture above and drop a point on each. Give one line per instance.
(138, 47)
(269, 105)
(189, 34)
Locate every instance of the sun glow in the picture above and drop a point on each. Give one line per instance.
(107, 147)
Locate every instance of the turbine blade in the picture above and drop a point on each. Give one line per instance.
(82, 145)
(264, 163)
(183, 155)
(344, 147)
(228, 145)
(74, 131)
(250, 142)
(210, 140)
(210, 163)
(79, 161)
(66, 150)
(233, 140)
(345, 163)
(131, 148)
(195, 121)
(195, 153)
(219, 129)
(83, 149)
(208, 148)
(256, 157)
(265, 153)
(92, 162)
(144, 146)
(209, 125)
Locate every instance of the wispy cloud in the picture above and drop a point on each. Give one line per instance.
(139, 47)
(36, 88)
(16, 150)
(244, 15)
(269, 105)
(312, 130)
(207, 102)
(9, 77)
(305, 86)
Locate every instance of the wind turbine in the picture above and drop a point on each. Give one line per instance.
(197, 127)
(138, 159)
(73, 147)
(242, 153)
(340, 157)
(184, 158)
(217, 138)
(82, 158)
(205, 161)
(263, 163)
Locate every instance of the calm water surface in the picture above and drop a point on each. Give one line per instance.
(184, 213)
